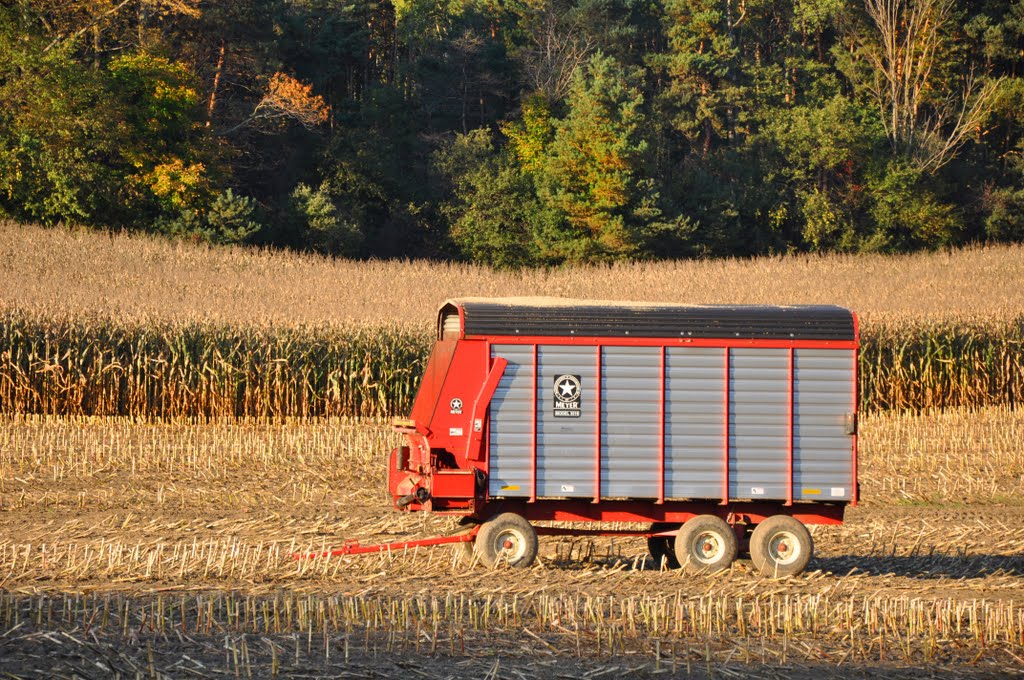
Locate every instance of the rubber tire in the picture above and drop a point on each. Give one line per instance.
(663, 546)
(699, 529)
(773, 529)
(495, 531)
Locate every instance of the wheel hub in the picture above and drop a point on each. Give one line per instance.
(708, 548)
(784, 548)
(510, 545)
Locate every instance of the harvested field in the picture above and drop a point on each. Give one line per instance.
(246, 396)
(166, 548)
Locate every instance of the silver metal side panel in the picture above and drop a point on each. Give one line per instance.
(758, 411)
(630, 415)
(511, 424)
(694, 427)
(758, 414)
(565, 446)
(822, 451)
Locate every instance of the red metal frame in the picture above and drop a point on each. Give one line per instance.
(661, 430)
(736, 514)
(597, 428)
(791, 388)
(356, 548)
(480, 406)
(462, 321)
(725, 429)
(434, 375)
(673, 512)
(559, 531)
(663, 342)
(855, 490)
(533, 434)
(485, 464)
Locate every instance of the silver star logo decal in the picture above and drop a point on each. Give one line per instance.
(567, 388)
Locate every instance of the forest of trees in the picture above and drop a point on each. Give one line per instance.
(519, 132)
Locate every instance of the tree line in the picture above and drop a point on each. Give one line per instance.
(519, 132)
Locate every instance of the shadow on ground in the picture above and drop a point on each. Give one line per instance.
(924, 566)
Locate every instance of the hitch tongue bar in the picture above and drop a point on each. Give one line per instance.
(355, 548)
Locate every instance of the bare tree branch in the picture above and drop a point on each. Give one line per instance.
(78, 34)
(919, 122)
(184, 7)
(559, 46)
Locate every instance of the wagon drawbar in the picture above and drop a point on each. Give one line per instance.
(727, 428)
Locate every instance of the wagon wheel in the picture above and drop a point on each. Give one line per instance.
(706, 544)
(781, 546)
(663, 547)
(507, 538)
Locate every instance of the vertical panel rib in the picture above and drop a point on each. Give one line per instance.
(661, 424)
(533, 434)
(565, 446)
(854, 488)
(725, 432)
(597, 426)
(791, 387)
(758, 410)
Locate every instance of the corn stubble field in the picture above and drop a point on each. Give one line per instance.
(155, 540)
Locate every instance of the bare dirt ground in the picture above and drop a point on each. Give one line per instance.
(143, 550)
(41, 655)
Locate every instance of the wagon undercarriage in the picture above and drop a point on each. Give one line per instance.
(778, 546)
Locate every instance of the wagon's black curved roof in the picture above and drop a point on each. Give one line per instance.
(588, 318)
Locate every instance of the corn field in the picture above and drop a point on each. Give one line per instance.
(942, 365)
(134, 277)
(97, 366)
(178, 422)
(98, 324)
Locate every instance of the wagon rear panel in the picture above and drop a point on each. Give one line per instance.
(823, 400)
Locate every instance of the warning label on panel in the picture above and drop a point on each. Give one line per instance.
(567, 396)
